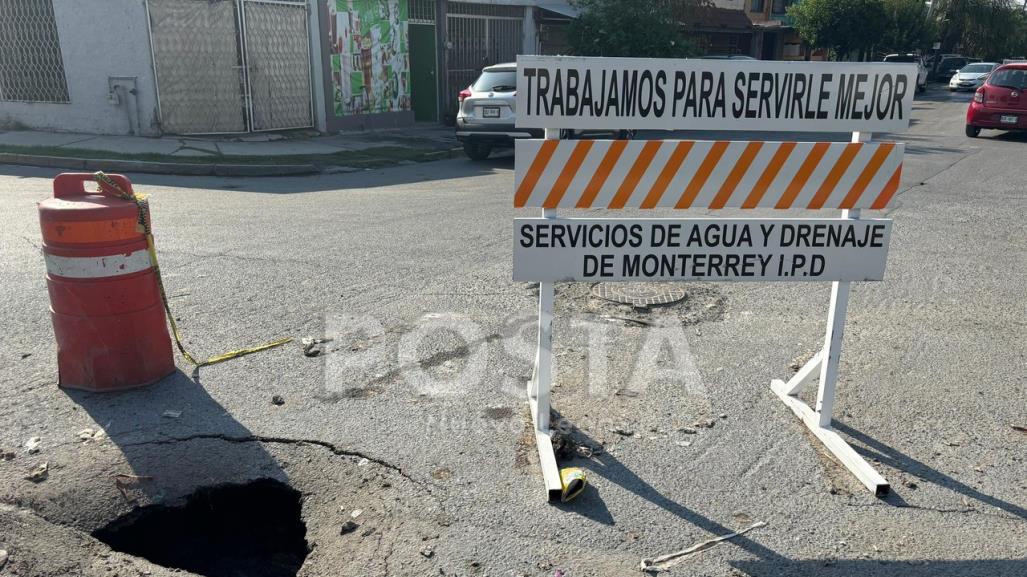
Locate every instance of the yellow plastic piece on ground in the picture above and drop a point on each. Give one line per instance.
(573, 481)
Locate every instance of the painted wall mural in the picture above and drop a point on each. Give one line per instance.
(370, 56)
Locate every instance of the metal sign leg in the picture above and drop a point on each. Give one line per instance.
(538, 391)
(542, 377)
(825, 363)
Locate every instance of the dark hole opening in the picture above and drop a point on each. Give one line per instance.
(251, 530)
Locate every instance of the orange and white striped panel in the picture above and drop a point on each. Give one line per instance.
(684, 174)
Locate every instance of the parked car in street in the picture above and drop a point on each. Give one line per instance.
(949, 65)
(1001, 103)
(921, 68)
(971, 77)
(487, 115)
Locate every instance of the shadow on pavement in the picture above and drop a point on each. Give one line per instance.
(887, 455)
(942, 94)
(770, 562)
(609, 468)
(151, 426)
(880, 568)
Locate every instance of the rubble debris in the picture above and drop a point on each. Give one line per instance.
(910, 484)
(312, 346)
(704, 424)
(741, 517)
(1019, 428)
(687, 430)
(801, 360)
(278, 400)
(623, 431)
(631, 320)
(427, 553)
(563, 446)
(7, 455)
(122, 480)
(683, 443)
(85, 434)
(3, 558)
(665, 562)
(589, 451)
(171, 414)
(33, 445)
(348, 527)
(39, 473)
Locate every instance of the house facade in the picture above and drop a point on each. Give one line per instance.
(152, 67)
(774, 33)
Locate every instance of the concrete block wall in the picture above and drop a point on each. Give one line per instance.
(99, 39)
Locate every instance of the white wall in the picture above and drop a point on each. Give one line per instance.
(730, 4)
(99, 39)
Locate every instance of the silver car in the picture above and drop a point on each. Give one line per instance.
(972, 76)
(487, 111)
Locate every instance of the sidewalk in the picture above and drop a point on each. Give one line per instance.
(259, 154)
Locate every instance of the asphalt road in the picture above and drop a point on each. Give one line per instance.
(416, 415)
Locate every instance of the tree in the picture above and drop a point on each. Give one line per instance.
(639, 28)
(843, 26)
(908, 26)
(991, 29)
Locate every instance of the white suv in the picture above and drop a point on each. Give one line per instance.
(921, 68)
(485, 119)
(488, 111)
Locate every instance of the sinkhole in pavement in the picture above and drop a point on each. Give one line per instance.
(253, 529)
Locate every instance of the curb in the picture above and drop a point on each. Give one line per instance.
(175, 168)
(188, 168)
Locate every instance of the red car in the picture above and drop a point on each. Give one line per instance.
(1001, 103)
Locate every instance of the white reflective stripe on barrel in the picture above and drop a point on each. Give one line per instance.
(97, 266)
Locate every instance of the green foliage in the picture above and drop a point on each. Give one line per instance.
(842, 26)
(989, 29)
(637, 28)
(908, 27)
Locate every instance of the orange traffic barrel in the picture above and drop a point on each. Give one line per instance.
(105, 303)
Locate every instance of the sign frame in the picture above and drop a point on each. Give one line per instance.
(824, 363)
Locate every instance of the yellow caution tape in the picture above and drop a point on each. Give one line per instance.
(142, 206)
(572, 481)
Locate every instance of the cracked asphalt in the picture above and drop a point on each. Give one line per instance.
(415, 412)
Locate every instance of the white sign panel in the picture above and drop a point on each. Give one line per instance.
(699, 249)
(687, 94)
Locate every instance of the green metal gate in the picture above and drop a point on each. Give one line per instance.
(423, 83)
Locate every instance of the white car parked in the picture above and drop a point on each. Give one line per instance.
(972, 76)
(921, 68)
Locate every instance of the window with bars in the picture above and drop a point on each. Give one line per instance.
(422, 12)
(31, 68)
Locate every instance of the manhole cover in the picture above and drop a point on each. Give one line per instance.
(643, 294)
